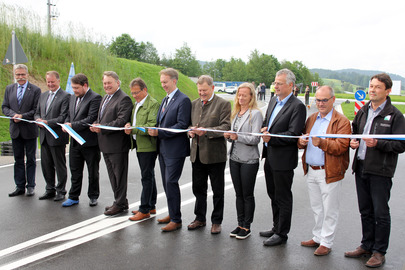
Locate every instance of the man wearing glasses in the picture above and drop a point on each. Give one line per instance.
(325, 161)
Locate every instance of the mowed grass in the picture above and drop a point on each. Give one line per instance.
(348, 109)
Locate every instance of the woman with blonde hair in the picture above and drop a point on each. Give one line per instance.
(244, 155)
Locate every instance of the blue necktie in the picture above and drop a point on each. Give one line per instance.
(20, 95)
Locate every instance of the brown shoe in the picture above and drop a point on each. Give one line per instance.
(322, 251)
(195, 225)
(172, 226)
(215, 228)
(139, 216)
(152, 212)
(164, 220)
(309, 243)
(376, 260)
(113, 210)
(359, 252)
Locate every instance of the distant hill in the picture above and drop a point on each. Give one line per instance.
(355, 76)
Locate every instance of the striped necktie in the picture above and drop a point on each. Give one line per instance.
(20, 94)
(104, 105)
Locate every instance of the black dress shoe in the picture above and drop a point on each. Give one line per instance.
(93, 202)
(47, 195)
(59, 197)
(275, 240)
(267, 233)
(30, 191)
(17, 192)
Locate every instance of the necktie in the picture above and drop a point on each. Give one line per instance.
(19, 94)
(165, 104)
(49, 101)
(78, 101)
(104, 105)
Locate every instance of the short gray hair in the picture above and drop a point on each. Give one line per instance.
(290, 78)
(21, 66)
(205, 79)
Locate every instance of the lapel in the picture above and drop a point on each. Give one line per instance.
(52, 102)
(244, 118)
(281, 112)
(108, 105)
(272, 104)
(84, 99)
(171, 102)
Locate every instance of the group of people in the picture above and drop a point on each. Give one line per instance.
(212, 123)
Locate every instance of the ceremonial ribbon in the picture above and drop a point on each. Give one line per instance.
(73, 133)
(34, 122)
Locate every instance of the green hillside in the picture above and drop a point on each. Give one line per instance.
(46, 53)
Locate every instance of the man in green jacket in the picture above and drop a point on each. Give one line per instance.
(144, 115)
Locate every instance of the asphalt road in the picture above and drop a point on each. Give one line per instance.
(42, 235)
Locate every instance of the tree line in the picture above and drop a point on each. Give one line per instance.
(260, 68)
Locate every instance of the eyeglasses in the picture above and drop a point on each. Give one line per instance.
(20, 74)
(323, 100)
(136, 93)
(278, 84)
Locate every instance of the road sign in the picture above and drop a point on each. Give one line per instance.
(360, 95)
(314, 83)
(358, 105)
(15, 53)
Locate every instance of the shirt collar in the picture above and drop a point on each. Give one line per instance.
(171, 95)
(327, 117)
(24, 86)
(140, 103)
(284, 101)
(381, 107)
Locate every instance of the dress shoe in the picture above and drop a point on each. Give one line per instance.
(47, 195)
(267, 233)
(93, 202)
(30, 191)
(172, 226)
(164, 220)
(275, 240)
(108, 207)
(309, 243)
(114, 210)
(322, 251)
(216, 228)
(359, 252)
(69, 202)
(59, 196)
(376, 260)
(17, 192)
(195, 225)
(152, 212)
(139, 216)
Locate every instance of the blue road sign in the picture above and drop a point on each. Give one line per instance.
(360, 95)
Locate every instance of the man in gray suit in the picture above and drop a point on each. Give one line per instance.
(83, 110)
(115, 111)
(53, 108)
(208, 152)
(20, 101)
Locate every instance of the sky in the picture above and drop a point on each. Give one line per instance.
(362, 34)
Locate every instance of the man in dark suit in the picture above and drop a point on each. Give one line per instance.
(20, 101)
(115, 111)
(173, 148)
(83, 110)
(285, 116)
(208, 152)
(53, 108)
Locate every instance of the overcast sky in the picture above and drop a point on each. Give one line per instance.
(363, 34)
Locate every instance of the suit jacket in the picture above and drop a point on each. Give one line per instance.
(176, 115)
(283, 152)
(116, 114)
(251, 122)
(85, 115)
(215, 114)
(56, 113)
(27, 109)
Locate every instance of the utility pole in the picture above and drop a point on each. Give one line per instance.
(51, 14)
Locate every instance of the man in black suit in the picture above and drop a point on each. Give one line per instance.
(173, 148)
(285, 116)
(115, 111)
(83, 110)
(20, 101)
(53, 108)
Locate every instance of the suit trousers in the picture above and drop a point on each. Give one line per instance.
(117, 168)
(171, 169)
(77, 157)
(244, 180)
(373, 194)
(215, 172)
(53, 159)
(279, 185)
(324, 199)
(24, 174)
(147, 161)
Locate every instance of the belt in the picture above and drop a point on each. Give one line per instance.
(317, 167)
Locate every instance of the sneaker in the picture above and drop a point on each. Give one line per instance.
(243, 234)
(235, 232)
(69, 202)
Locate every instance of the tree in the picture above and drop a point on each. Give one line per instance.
(186, 62)
(235, 70)
(262, 67)
(125, 47)
(149, 54)
(214, 69)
